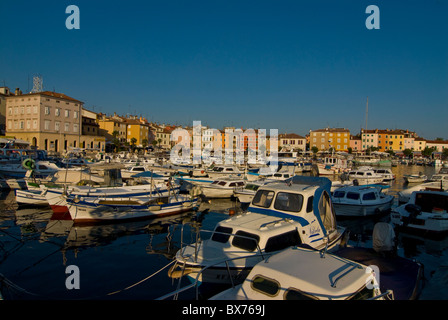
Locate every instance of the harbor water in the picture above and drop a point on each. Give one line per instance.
(130, 261)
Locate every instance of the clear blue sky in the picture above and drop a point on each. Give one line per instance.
(287, 65)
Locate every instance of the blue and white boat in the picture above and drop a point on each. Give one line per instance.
(281, 215)
(110, 210)
(60, 199)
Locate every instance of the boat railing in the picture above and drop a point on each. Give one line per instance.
(195, 284)
(387, 295)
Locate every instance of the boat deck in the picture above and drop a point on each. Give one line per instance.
(401, 275)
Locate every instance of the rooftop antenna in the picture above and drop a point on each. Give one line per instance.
(38, 84)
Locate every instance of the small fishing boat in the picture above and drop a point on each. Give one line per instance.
(361, 201)
(425, 212)
(280, 215)
(57, 197)
(222, 188)
(108, 210)
(415, 178)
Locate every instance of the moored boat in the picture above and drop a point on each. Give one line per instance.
(280, 215)
(361, 201)
(425, 212)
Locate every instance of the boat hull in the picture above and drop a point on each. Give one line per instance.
(353, 210)
(87, 213)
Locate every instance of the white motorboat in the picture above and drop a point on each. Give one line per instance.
(348, 273)
(386, 173)
(40, 169)
(304, 274)
(365, 175)
(426, 212)
(246, 193)
(222, 171)
(405, 195)
(222, 188)
(280, 215)
(415, 178)
(361, 201)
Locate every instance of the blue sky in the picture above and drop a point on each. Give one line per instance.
(287, 65)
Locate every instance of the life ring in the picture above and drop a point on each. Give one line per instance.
(29, 164)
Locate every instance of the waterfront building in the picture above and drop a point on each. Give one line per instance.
(4, 93)
(112, 127)
(292, 141)
(48, 120)
(438, 145)
(138, 129)
(419, 144)
(90, 132)
(356, 144)
(337, 139)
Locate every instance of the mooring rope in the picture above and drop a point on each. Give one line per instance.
(10, 285)
(143, 280)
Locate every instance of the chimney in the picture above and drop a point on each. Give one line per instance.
(18, 92)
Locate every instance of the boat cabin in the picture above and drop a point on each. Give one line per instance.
(228, 183)
(302, 274)
(357, 194)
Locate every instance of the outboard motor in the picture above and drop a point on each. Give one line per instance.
(383, 238)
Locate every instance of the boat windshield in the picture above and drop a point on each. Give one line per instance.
(288, 202)
(339, 194)
(263, 198)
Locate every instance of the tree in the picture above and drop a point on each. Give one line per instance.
(115, 140)
(144, 143)
(407, 152)
(445, 153)
(315, 149)
(428, 151)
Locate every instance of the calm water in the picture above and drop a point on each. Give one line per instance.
(123, 261)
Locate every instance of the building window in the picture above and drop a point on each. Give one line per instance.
(75, 114)
(28, 124)
(57, 112)
(75, 127)
(34, 124)
(47, 110)
(67, 126)
(35, 109)
(57, 125)
(10, 111)
(47, 124)
(67, 113)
